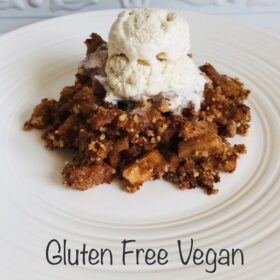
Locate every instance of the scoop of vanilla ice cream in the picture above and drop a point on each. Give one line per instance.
(147, 57)
(148, 33)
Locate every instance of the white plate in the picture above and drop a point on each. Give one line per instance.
(36, 62)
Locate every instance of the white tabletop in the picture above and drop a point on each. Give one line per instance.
(259, 13)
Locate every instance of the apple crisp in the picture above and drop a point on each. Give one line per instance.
(141, 141)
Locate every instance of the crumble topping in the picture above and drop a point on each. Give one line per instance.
(138, 141)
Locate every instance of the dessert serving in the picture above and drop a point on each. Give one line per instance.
(141, 109)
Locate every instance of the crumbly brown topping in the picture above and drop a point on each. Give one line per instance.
(140, 141)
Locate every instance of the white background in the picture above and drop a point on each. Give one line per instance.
(259, 13)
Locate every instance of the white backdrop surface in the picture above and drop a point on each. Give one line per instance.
(259, 13)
